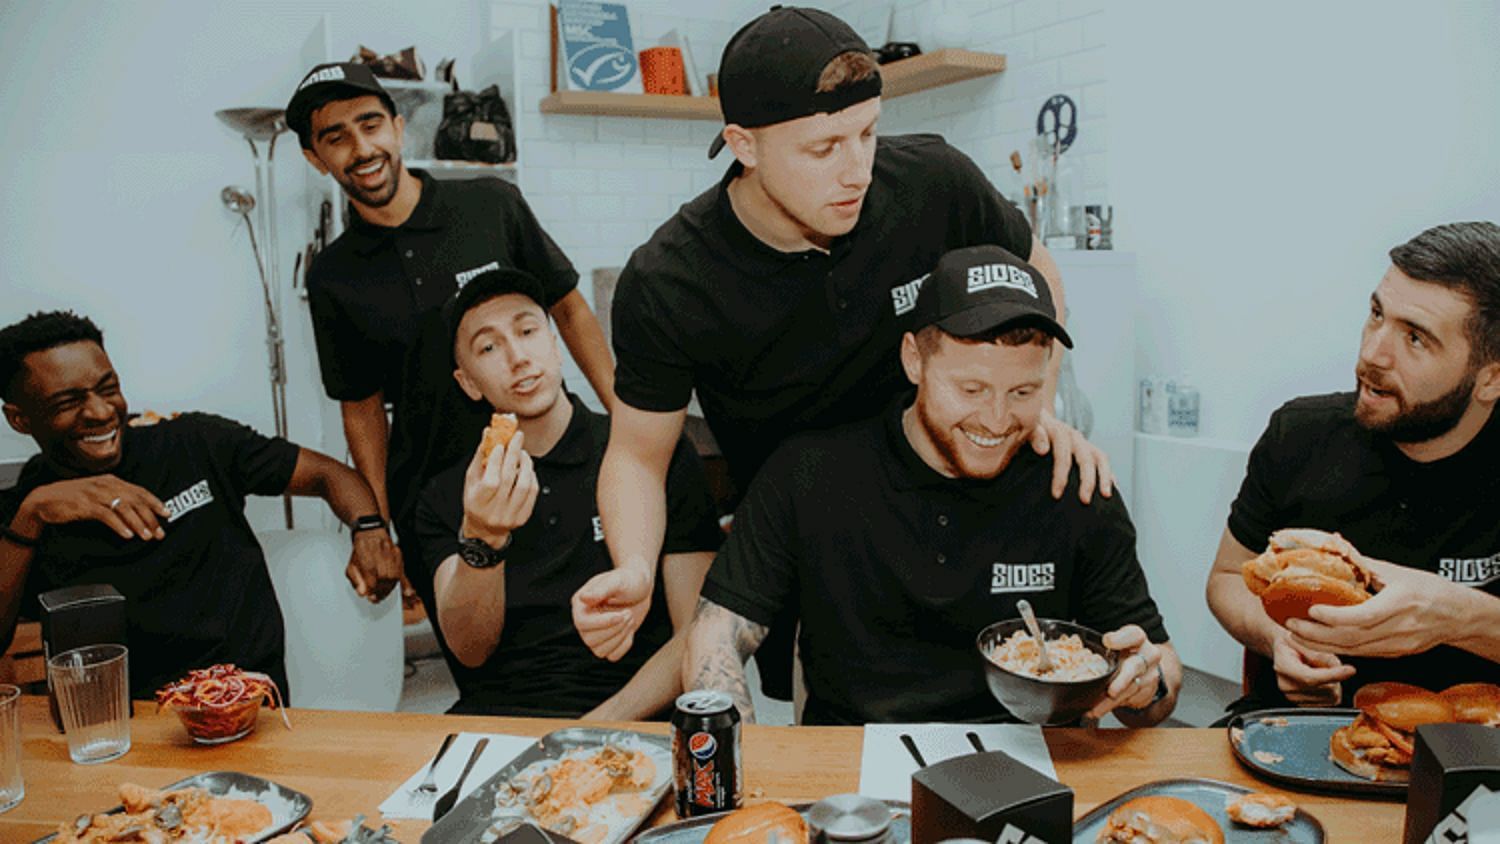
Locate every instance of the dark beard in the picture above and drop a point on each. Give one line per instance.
(1429, 420)
(374, 200)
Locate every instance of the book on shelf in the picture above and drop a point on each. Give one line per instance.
(594, 49)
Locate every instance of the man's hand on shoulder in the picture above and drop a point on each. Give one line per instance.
(129, 510)
(609, 608)
(1068, 446)
(1414, 612)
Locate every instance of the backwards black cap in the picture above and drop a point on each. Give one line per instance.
(770, 68)
(979, 288)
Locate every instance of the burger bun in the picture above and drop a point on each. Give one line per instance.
(1161, 820)
(757, 824)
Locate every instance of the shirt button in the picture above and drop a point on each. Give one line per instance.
(1402, 505)
(942, 558)
(419, 281)
(843, 304)
(546, 490)
(408, 253)
(551, 521)
(943, 521)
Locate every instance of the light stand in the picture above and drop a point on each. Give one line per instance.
(264, 124)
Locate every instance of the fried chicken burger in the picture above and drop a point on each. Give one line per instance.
(1303, 567)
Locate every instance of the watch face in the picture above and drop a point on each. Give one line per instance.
(477, 554)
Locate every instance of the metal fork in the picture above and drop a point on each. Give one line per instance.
(427, 790)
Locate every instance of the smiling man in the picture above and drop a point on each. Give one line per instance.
(780, 295)
(900, 538)
(509, 540)
(1407, 468)
(155, 511)
(375, 292)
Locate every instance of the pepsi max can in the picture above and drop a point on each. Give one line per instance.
(706, 765)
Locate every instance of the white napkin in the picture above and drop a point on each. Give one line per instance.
(497, 754)
(886, 767)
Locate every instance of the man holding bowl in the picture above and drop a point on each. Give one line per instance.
(901, 537)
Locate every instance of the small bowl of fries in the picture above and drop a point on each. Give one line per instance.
(221, 703)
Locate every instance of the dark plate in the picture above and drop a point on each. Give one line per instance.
(1208, 795)
(695, 830)
(1303, 746)
(287, 807)
(472, 816)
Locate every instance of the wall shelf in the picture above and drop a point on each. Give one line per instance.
(444, 169)
(918, 73)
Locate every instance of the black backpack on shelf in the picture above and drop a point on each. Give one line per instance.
(476, 127)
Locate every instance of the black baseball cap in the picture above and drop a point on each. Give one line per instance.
(770, 68)
(979, 288)
(481, 288)
(354, 78)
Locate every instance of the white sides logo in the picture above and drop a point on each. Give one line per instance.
(904, 298)
(1000, 275)
(327, 74)
(1477, 813)
(598, 530)
(1022, 577)
(1470, 571)
(188, 500)
(1015, 835)
(468, 275)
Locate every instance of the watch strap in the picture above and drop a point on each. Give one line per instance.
(19, 539)
(374, 521)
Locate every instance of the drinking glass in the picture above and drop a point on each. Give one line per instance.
(93, 696)
(11, 787)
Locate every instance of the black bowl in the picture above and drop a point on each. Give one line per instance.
(1045, 702)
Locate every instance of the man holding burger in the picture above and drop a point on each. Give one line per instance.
(375, 292)
(509, 534)
(780, 296)
(1403, 470)
(901, 537)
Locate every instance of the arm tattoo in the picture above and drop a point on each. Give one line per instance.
(721, 642)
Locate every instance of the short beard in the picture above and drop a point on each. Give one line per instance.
(945, 442)
(1426, 421)
(375, 200)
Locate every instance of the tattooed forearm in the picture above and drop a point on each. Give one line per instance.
(718, 644)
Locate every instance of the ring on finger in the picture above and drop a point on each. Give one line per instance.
(115, 503)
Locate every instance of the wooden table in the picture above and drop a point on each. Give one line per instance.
(348, 762)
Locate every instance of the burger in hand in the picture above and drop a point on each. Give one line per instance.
(1160, 820)
(497, 435)
(1305, 567)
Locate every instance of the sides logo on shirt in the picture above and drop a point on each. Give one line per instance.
(904, 298)
(1475, 813)
(468, 275)
(1000, 275)
(1022, 577)
(188, 500)
(1471, 571)
(598, 530)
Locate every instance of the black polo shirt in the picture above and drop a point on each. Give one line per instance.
(541, 666)
(776, 343)
(200, 596)
(375, 295)
(896, 569)
(1316, 467)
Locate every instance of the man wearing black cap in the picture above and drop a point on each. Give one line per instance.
(780, 295)
(509, 539)
(903, 536)
(375, 291)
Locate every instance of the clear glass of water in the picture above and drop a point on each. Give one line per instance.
(12, 789)
(93, 696)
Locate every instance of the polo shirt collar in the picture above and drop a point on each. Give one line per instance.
(576, 446)
(909, 472)
(425, 217)
(746, 243)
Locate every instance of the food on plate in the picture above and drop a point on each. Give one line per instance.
(501, 428)
(1159, 819)
(220, 703)
(765, 822)
(1260, 809)
(1266, 757)
(1275, 722)
(1474, 703)
(586, 795)
(1237, 735)
(1302, 568)
(1379, 743)
(1072, 661)
(344, 832)
(184, 814)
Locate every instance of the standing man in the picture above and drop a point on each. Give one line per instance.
(158, 512)
(375, 292)
(507, 540)
(901, 537)
(780, 295)
(1405, 468)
